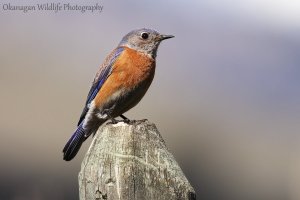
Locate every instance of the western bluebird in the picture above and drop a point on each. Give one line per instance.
(119, 85)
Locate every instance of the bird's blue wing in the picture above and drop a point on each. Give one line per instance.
(100, 78)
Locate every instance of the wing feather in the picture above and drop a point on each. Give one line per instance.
(103, 73)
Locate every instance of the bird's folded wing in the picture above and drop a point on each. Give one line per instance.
(103, 73)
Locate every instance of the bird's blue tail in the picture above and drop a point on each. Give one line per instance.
(73, 145)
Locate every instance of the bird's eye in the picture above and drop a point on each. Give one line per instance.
(145, 35)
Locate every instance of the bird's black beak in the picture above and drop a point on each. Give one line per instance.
(164, 37)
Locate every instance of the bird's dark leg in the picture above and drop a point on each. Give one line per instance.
(113, 120)
(107, 112)
(125, 119)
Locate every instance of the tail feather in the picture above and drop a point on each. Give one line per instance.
(73, 145)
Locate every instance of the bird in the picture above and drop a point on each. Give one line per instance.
(119, 85)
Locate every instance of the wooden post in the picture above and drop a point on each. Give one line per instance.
(131, 162)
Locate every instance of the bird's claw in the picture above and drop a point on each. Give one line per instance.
(131, 122)
(127, 121)
(114, 121)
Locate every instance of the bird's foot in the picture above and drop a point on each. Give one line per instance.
(132, 122)
(126, 120)
(114, 121)
(140, 121)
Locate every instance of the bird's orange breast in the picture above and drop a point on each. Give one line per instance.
(130, 70)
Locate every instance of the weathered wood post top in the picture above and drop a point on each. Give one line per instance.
(131, 162)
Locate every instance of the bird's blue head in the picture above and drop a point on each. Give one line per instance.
(144, 40)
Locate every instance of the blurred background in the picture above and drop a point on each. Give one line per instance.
(225, 96)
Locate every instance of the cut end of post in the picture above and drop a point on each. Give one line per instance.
(131, 161)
